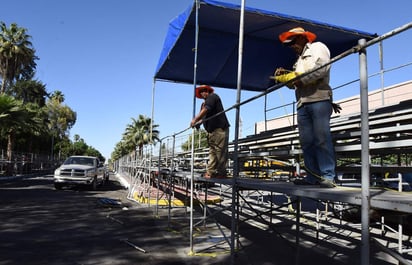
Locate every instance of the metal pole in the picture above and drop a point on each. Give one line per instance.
(152, 114)
(382, 73)
(297, 239)
(158, 177)
(197, 6)
(265, 112)
(363, 73)
(172, 178)
(235, 154)
(151, 151)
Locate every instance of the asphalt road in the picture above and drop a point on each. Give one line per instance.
(40, 225)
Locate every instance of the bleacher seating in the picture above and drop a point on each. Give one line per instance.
(390, 132)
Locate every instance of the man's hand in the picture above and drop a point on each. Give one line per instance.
(281, 71)
(336, 107)
(283, 76)
(195, 124)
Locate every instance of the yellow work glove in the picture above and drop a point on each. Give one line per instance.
(283, 78)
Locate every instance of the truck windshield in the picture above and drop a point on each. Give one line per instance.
(79, 161)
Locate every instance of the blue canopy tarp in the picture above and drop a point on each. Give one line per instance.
(218, 38)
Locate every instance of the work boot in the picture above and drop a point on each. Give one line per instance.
(324, 183)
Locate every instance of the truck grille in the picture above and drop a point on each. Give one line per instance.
(72, 172)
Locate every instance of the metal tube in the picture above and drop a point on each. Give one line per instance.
(152, 116)
(363, 73)
(158, 177)
(265, 113)
(400, 235)
(235, 154)
(197, 6)
(382, 73)
(134, 246)
(172, 178)
(297, 239)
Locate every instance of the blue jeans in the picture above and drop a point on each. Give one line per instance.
(316, 140)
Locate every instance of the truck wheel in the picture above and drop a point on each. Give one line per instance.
(57, 186)
(93, 185)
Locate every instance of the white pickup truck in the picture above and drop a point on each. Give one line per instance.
(80, 170)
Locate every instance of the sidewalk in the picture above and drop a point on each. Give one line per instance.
(21, 176)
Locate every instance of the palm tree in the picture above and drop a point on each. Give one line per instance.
(57, 96)
(30, 91)
(139, 133)
(77, 138)
(120, 150)
(16, 117)
(17, 57)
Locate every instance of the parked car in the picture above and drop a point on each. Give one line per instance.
(80, 170)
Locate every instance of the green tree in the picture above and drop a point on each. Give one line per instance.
(57, 96)
(17, 56)
(33, 96)
(120, 150)
(79, 146)
(139, 133)
(61, 119)
(64, 147)
(16, 118)
(200, 140)
(35, 128)
(91, 151)
(30, 91)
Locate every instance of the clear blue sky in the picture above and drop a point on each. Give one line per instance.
(102, 55)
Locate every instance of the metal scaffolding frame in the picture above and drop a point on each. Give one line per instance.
(364, 197)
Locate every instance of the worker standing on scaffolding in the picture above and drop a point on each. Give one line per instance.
(216, 124)
(314, 105)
